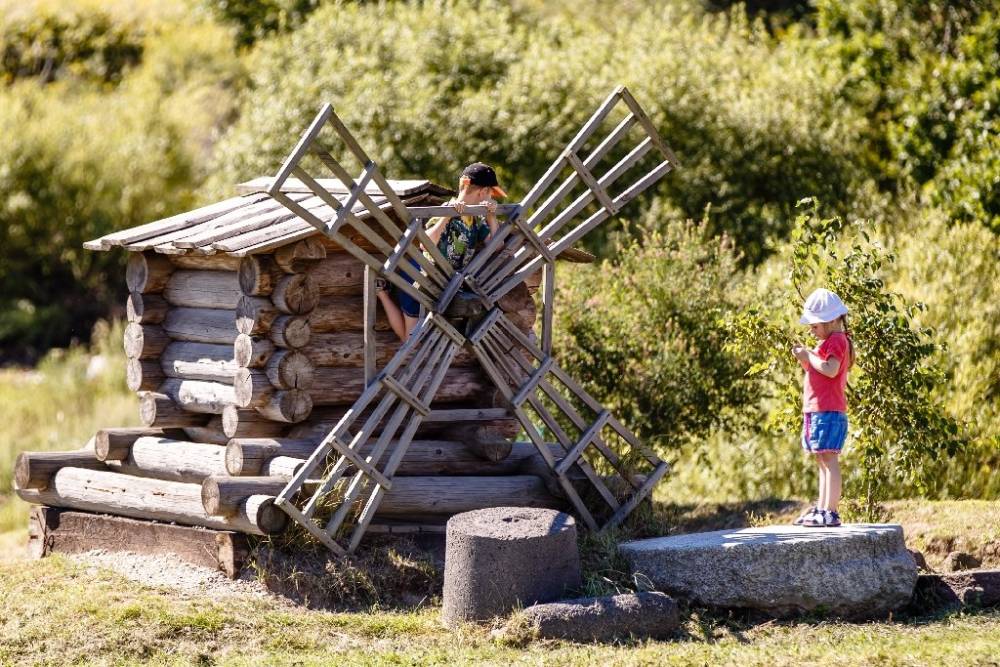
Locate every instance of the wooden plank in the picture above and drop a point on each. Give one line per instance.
(590, 182)
(648, 126)
(368, 318)
(402, 187)
(71, 532)
(300, 149)
(585, 440)
(638, 496)
(266, 219)
(172, 223)
(449, 210)
(374, 501)
(548, 305)
(528, 387)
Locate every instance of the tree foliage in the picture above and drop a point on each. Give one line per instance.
(898, 427)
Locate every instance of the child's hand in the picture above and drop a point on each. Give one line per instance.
(459, 207)
(800, 352)
(491, 206)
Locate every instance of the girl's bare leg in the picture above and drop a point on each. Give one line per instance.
(395, 316)
(824, 485)
(833, 481)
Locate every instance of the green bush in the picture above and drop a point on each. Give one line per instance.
(49, 45)
(899, 427)
(646, 334)
(80, 161)
(429, 87)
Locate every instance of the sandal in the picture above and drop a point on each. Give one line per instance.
(802, 517)
(815, 520)
(831, 519)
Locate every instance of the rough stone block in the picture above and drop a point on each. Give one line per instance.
(641, 615)
(501, 558)
(855, 571)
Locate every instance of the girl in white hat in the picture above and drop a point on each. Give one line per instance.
(824, 399)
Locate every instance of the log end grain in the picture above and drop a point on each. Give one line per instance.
(290, 331)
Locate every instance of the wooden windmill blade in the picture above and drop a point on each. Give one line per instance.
(401, 394)
(405, 264)
(556, 213)
(591, 190)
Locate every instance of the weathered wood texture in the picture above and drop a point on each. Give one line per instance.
(290, 331)
(340, 313)
(145, 308)
(249, 456)
(300, 256)
(212, 433)
(157, 410)
(339, 274)
(203, 289)
(147, 272)
(201, 325)
(295, 294)
(54, 530)
(342, 386)
(452, 495)
(199, 395)
(252, 351)
(217, 262)
(145, 341)
(224, 495)
(175, 460)
(34, 470)
(240, 423)
(345, 349)
(287, 405)
(113, 444)
(290, 369)
(143, 374)
(199, 361)
(141, 498)
(408, 495)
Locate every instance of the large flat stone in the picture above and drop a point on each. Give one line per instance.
(854, 571)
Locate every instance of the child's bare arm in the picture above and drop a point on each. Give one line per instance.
(437, 227)
(808, 358)
(491, 218)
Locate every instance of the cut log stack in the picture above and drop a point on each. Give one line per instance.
(245, 344)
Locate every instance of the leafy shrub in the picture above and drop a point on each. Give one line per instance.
(49, 45)
(898, 427)
(255, 19)
(77, 162)
(427, 89)
(646, 334)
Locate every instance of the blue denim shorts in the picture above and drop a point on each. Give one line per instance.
(823, 431)
(407, 303)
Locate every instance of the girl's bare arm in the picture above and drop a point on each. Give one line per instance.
(829, 368)
(437, 227)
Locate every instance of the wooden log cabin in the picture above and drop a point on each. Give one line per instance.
(245, 346)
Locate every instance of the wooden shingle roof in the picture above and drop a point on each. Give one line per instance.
(251, 222)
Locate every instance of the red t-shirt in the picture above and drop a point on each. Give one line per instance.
(822, 393)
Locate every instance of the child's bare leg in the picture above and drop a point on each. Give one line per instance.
(394, 314)
(823, 481)
(833, 481)
(410, 323)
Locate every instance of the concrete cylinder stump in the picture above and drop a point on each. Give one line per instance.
(501, 558)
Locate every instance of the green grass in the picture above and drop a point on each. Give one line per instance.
(58, 406)
(60, 612)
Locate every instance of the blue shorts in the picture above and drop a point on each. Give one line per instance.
(407, 303)
(823, 431)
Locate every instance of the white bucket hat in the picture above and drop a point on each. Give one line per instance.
(822, 306)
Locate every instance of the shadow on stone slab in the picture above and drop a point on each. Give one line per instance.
(605, 619)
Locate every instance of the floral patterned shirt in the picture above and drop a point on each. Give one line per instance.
(461, 238)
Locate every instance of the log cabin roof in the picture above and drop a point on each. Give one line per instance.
(251, 222)
(254, 222)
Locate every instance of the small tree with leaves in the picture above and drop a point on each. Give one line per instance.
(897, 428)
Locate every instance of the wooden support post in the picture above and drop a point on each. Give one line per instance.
(369, 325)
